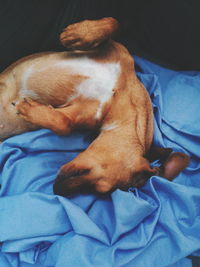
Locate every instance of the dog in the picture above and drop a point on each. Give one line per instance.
(93, 85)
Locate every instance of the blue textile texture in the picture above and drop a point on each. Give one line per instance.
(158, 225)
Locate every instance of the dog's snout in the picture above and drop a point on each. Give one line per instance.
(58, 185)
(69, 182)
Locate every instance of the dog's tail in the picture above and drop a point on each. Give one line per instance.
(89, 34)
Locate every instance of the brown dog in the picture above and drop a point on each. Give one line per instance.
(94, 85)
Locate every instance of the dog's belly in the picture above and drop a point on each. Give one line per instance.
(62, 80)
(55, 79)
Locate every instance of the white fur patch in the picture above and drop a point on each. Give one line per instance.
(109, 126)
(99, 84)
(24, 91)
(99, 111)
(102, 78)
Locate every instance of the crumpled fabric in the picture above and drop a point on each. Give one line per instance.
(157, 225)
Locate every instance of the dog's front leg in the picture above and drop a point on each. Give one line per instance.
(80, 113)
(44, 116)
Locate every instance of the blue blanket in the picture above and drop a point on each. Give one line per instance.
(158, 225)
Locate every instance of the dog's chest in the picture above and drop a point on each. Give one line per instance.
(101, 78)
(70, 77)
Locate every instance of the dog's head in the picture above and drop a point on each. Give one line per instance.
(88, 176)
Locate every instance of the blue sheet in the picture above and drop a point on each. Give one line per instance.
(158, 225)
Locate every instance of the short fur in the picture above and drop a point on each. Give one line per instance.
(95, 86)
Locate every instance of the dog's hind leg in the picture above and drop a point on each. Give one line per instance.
(88, 34)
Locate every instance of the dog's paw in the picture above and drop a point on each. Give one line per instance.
(81, 36)
(88, 34)
(31, 110)
(44, 116)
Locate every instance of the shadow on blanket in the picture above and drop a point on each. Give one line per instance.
(157, 225)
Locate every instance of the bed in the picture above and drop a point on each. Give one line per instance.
(157, 225)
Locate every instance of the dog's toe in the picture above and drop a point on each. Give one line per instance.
(23, 106)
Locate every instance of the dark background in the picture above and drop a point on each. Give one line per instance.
(165, 31)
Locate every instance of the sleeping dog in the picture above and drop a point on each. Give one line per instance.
(93, 84)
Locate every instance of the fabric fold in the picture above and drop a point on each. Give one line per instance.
(157, 225)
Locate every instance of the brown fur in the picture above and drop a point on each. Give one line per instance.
(117, 156)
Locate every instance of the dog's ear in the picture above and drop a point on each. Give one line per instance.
(160, 153)
(175, 163)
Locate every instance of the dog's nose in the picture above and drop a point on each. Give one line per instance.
(58, 187)
(71, 182)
